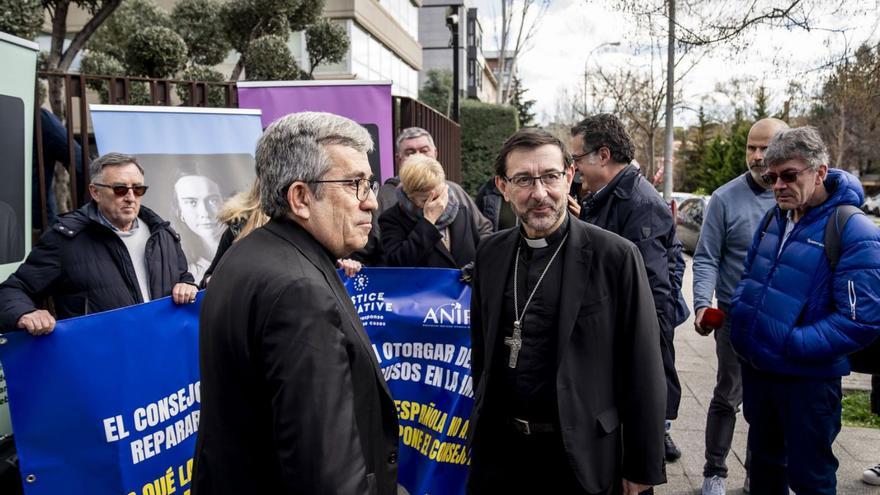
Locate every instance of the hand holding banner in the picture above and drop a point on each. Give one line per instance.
(107, 403)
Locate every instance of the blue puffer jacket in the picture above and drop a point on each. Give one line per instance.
(790, 315)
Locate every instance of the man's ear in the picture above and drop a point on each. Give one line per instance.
(821, 174)
(300, 198)
(93, 192)
(604, 154)
(502, 184)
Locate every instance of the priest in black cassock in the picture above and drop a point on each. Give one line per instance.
(570, 394)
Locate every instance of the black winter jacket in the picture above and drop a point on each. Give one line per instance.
(418, 243)
(630, 207)
(85, 267)
(489, 201)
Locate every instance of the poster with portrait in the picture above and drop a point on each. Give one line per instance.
(194, 159)
(19, 58)
(16, 136)
(366, 102)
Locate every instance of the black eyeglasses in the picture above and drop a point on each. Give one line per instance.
(588, 153)
(550, 179)
(362, 187)
(121, 190)
(788, 176)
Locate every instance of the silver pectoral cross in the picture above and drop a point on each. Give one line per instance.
(515, 343)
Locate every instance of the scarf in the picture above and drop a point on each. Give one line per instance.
(446, 218)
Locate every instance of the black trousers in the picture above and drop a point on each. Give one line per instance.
(673, 386)
(518, 464)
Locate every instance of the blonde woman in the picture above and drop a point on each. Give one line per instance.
(427, 227)
(242, 214)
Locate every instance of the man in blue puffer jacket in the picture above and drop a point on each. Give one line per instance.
(794, 321)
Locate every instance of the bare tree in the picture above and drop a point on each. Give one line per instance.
(519, 23)
(709, 23)
(637, 94)
(846, 111)
(60, 58)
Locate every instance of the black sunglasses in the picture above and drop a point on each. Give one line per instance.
(788, 176)
(123, 190)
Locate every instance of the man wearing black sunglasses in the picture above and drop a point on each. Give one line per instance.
(798, 312)
(110, 253)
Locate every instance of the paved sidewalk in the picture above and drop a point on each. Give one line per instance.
(855, 448)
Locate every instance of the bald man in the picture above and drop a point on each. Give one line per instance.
(733, 215)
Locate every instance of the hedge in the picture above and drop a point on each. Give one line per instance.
(484, 128)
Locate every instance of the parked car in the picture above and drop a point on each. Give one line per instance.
(872, 205)
(689, 220)
(677, 198)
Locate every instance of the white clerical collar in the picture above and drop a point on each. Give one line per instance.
(535, 243)
(545, 241)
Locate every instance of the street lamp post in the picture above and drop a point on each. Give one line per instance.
(587, 62)
(452, 22)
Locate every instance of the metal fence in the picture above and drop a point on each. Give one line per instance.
(79, 90)
(446, 133)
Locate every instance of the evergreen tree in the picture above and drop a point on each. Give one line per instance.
(761, 104)
(523, 107)
(209, 29)
(695, 143)
(326, 42)
(437, 90)
(22, 18)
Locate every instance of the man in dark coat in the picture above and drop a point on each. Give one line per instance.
(293, 400)
(625, 203)
(566, 349)
(110, 253)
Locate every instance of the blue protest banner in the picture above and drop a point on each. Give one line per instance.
(107, 403)
(419, 323)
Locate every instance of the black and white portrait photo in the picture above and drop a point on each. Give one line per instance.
(189, 191)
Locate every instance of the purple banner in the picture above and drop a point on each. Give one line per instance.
(367, 103)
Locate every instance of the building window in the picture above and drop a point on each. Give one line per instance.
(373, 61)
(405, 13)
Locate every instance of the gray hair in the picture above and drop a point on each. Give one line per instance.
(801, 143)
(412, 133)
(112, 159)
(292, 149)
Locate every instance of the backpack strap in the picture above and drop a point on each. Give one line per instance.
(834, 228)
(765, 223)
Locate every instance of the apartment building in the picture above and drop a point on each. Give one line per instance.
(383, 34)
(476, 80)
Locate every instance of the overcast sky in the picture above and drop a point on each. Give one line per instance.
(571, 29)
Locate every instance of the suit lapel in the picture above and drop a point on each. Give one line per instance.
(495, 274)
(312, 250)
(575, 277)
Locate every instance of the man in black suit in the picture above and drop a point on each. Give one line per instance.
(570, 394)
(292, 397)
